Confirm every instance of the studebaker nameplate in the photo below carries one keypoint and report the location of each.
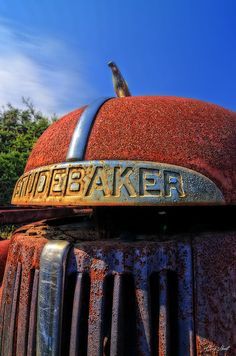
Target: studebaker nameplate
(115, 183)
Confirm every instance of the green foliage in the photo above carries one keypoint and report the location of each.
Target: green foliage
(6, 231)
(19, 130)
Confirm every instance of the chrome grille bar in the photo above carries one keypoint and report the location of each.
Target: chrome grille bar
(50, 297)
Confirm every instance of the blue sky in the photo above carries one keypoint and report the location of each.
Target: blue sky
(56, 51)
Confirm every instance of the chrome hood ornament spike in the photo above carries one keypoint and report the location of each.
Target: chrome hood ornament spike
(119, 83)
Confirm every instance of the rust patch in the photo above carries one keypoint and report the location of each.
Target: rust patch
(109, 260)
(53, 145)
(179, 131)
(4, 245)
(185, 132)
(215, 302)
(23, 261)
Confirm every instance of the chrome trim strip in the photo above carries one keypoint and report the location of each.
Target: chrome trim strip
(50, 297)
(81, 133)
(116, 183)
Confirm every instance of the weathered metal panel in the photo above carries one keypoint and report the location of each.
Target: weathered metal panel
(215, 293)
(127, 298)
(31, 349)
(17, 309)
(4, 245)
(152, 311)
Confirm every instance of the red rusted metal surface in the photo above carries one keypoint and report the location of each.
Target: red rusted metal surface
(19, 295)
(185, 132)
(53, 145)
(4, 245)
(215, 294)
(179, 131)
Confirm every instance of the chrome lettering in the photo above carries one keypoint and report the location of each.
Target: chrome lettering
(76, 183)
(149, 182)
(122, 181)
(98, 182)
(41, 183)
(173, 181)
(58, 181)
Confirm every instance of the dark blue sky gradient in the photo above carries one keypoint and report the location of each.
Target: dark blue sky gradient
(182, 47)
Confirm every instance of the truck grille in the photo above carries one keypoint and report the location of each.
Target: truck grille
(119, 298)
(120, 326)
(125, 298)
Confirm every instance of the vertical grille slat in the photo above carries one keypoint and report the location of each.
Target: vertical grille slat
(79, 324)
(5, 311)
(10, 336)
(154, 296)
(143, 311)
(31, 348)
(185, 325)
(107, 313)
(117, 326)
(96, 312)
(164, 317)
(25, 298)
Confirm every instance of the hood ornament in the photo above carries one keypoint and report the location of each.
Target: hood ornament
(119, 83)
